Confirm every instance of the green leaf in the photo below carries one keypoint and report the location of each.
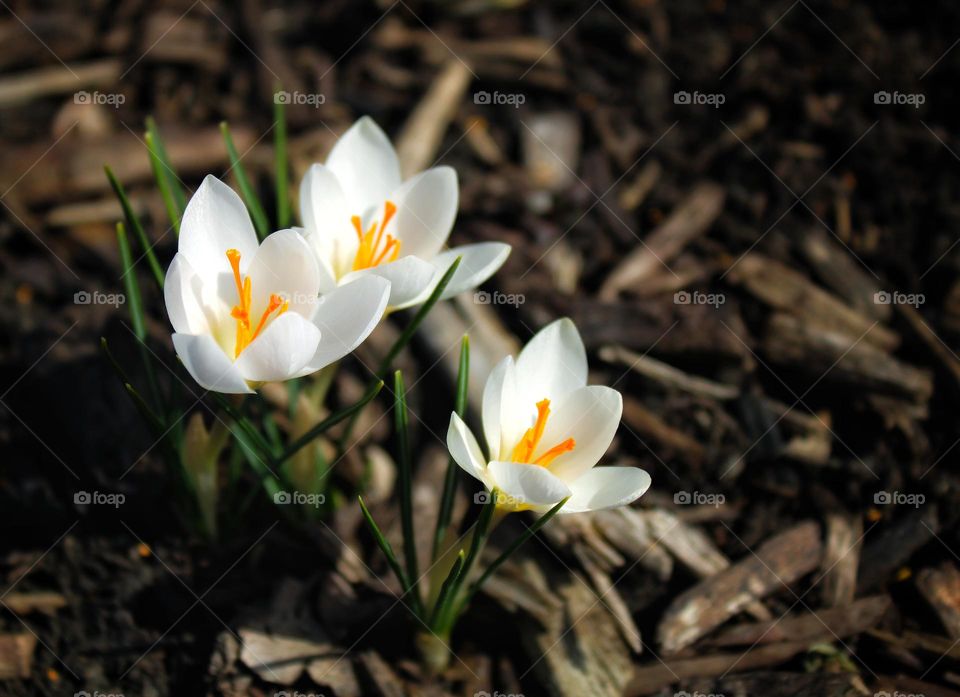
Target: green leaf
(163, 183)
(249, 195)
(450, 584)
(330, 422)
(280, 159)
(385, 547)
(401, 422)
(514, 546)
(175, 185)
(450, 479)
(403, 340)
(134, 223)
(447, 615)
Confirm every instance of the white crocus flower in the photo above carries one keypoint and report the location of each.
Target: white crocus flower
(246, 313)
(546, 429)
(361, 218)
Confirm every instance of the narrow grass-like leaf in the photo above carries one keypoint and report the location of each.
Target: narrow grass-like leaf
(450, 479)
(137, 317)
(385, 547)
(249, 195)
(450, 584)
(402, 425)
(447, 615)
(176, 186)
(330, 422)
(514, 546)
(163, 183)
(258, 443)
(280, 159)
(403, 340)
(134, 222)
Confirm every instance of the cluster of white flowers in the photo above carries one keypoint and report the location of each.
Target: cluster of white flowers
(245, 313)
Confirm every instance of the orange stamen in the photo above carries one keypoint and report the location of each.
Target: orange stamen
(241, 311)
(369, 252)
(524, 450)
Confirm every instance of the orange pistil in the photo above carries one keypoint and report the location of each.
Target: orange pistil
(241, 311)
(524, 450)
(370, 253)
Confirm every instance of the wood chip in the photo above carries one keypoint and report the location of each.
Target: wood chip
(781, 559)
(940, 586)
(692, 217)
(16, 655)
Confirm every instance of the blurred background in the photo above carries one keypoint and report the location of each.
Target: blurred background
(750, 210)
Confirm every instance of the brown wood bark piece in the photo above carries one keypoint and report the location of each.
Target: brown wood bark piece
(812, 627)
(16, 655)
(788, 290)
(940, 586)
(841, 358)
(781, 559)
(652, 677)
(841, 557)
(692, 218)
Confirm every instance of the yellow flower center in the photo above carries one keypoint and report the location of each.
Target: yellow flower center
(241, 311)
(375, 247)
(524, 450)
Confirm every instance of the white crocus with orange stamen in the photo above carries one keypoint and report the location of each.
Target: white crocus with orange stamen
(361, 218)
(245, 313)
(546, 429)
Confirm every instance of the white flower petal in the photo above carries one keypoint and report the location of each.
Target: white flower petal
(366, 165)
(286, 266)
(208, 364)
(216, 220)
(606, 487)
(326, 216)
(410, 280)
(463, 447)
(492, 405)
(346, 316)
(281, 350)
(478, 263)
(552, 364)
(183, 295)
(527, 484)
(589, 415)
(426, 208)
